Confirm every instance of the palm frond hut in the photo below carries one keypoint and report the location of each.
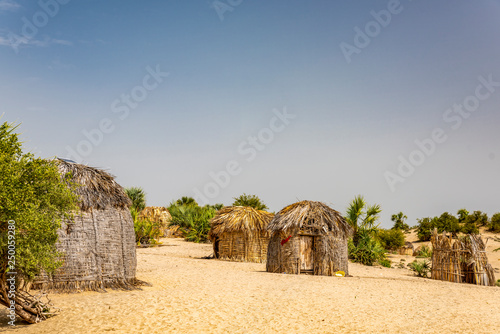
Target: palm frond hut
(462, 261)
(98, 244)
(239, 233)
(308, 237)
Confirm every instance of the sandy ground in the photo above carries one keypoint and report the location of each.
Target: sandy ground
(194, 295)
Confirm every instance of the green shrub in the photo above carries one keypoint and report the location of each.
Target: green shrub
(392, 239)
(147, 232)
(495, 223)
(420, 268)
(368, 250)
(497, 283)
(192, 219)
(385, 263)
(424, 251)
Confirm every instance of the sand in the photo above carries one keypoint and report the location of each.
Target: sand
(194, 295)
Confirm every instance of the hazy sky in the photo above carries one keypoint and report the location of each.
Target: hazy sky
(290, 100)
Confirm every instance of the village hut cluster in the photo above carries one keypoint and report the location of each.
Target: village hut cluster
(305, 237)
(98, 244)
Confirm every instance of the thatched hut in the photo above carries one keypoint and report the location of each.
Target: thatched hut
(98, 244)
(407, 249)
(462, 260)
(239, 233)
(308, 237)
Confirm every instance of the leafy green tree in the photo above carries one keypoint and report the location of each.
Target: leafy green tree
(34, 199)
(392, 239)
(399, 222)
(425, 227)
(249, 200)
(470, 223)
(495, 223)
(138, 198)
(449, 223)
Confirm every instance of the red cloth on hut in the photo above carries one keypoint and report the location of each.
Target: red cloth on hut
(286, 240)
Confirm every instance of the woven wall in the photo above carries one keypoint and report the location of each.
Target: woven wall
(98, 252)
(329, 255)
(236, 246)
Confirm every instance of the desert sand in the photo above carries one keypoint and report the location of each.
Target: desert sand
(189, 294)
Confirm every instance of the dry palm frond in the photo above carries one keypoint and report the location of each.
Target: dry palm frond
(239, 218)
(315, 214)
(96, 188)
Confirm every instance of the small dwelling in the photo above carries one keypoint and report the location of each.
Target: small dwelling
(308, 238)
(460, 260)
(239, 233)
(98, 244)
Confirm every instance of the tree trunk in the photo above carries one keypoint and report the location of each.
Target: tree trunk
(29, 308)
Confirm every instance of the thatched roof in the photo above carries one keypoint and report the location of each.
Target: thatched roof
(239, 218)
(96, 188)
(316, 215)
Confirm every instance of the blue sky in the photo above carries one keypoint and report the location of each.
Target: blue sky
(68, 67)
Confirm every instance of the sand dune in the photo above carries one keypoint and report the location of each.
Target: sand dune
(193, 295)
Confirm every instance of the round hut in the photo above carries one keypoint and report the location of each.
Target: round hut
(98, 244)
(308, 237)
(238, 233)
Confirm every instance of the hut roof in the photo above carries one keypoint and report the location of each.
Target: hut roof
(316, 214)
(96, 188)
(239, 218)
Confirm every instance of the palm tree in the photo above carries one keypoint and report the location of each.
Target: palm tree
(184, 200)
(249, 200)
(362, 217)
(138, 198)
(399, 221)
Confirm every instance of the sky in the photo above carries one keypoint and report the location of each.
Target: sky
(291, 100)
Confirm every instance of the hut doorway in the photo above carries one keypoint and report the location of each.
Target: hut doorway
(306, 253)
(216, 248)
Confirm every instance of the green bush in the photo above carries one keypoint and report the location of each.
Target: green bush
(192, 219)
(424, 251)
(147, 232)
(368, 250)
(420, 268)
(385, 263)
(495, 223)
(392, 239)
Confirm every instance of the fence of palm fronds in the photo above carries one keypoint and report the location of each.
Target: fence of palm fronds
(462, 261)
(239, 233)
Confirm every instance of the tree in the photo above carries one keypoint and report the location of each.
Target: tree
(34, 199)
(392, 239)
(495, 223)
(364, 246)
(249, 200)
(362, 216)
(138, 198)
(399, 222)
(186, 201)
(470, 222)
(425, 227)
